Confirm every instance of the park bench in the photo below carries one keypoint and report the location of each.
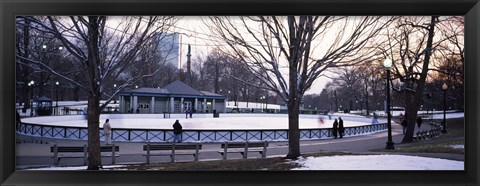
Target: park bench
(60, 152)
(173, 149)
(427, 134)
(243, 148)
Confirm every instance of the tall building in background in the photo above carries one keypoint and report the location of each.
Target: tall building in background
(169, 48)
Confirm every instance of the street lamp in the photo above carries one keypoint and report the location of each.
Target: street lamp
(387, 64)
(57, 83)
(228, 98)
(444, 87)
(114, 100)
(30, 86)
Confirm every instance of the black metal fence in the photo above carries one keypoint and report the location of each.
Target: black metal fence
(165, 135)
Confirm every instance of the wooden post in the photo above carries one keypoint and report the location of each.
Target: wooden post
(55, 154)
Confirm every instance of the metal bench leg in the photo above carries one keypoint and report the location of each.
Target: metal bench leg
(196, 152)
(113, 154)
(225, 151)
(148, 153)
(85, 154)
(55, 155)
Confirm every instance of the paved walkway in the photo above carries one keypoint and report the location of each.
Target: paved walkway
(35, 152)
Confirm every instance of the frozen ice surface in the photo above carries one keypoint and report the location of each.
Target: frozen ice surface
(200, 121)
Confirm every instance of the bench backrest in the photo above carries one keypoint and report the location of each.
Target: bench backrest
(242, 144)
(80, 148)
(67, 149)
(170, 147)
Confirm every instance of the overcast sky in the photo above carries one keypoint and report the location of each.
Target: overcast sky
(193, 31)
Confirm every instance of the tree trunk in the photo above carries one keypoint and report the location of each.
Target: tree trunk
(94, 158)
(413, 102)
(293, 130)
(26, 71)
(93, 111)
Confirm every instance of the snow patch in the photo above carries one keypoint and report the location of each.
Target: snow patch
(377, 162)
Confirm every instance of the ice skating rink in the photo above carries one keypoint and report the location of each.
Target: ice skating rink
(201, 121)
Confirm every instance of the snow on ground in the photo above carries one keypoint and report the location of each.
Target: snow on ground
(378, 162)
(458, 146)
(449, 115)
(359, 162)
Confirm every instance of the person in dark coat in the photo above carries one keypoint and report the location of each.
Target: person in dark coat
(404, 125)
(419, 122)
(341, 129)
(335, 128)
(190, 112)
(177, 131)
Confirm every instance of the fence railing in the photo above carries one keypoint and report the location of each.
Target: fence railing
(188, 135)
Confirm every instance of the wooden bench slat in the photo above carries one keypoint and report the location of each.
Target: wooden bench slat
(243, 148)
(60, 152)
(175, 149)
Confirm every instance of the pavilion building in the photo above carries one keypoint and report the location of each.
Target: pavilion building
(175, 97)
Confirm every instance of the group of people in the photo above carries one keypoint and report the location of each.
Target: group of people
(338, 128)
(405, 123)
(188, 112)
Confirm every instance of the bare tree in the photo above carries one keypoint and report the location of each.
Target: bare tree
(411, 46)
(105, 52)
(289, 53)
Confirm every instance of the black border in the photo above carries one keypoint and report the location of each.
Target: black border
(10, 8)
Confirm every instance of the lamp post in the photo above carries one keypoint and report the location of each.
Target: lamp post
(56, 104)
(387, 64)
(444, 87)
(114, 87)
(228, 98)
(30, 85)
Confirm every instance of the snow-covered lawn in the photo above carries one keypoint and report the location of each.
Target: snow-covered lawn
(458, 146)
(354, 162)
(377, 162)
